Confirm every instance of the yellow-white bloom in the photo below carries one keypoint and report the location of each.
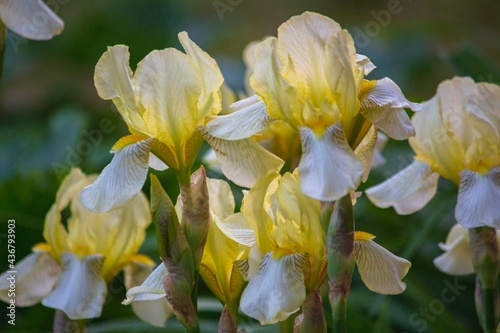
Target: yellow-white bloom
(458, 137)
(165, 104)
(71, 270)
(457, 258)
(31, 19)
(287, 256)
(311, 78)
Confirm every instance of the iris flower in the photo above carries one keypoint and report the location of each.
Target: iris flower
(31, 19)
(287, 256)
(71, 270)
(458, 136)
(165, 105)
(311, 78)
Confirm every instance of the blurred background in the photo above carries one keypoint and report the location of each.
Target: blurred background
(48, 103)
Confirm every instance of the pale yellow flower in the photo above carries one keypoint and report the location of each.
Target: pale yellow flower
(458, 137)
(287, 256)
(311, 78)
(70, 272)
(165, 105)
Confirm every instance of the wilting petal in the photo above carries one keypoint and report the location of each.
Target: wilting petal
(113, 81)
(478, 202)
(328, 169)
(34, 279)
(154, 312)
(151, 289)
(457, 258)
(380, 270)
(243, 161)
(121, 180)
(383, 105)
(276, 290)
(31, 19)
(80, 291)
(250, 117)
(407, 191)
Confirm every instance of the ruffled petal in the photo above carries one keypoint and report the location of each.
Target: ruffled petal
(121, 180)
(408, 191)
(221, 198)
(31, 19)
(276, 290)
(478, 199)
(34, 278)
(151, 289)
(328, 169)
(210, 76)
(243, 161)
(365, 63)
(249, 117)
(457, 259)
(113, 81)
(80, 291)
(383, 105)
(237, 228)
(380, 270)
(154, 312)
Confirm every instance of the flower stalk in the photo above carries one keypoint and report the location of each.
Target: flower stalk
(340, 255)
(312, 310)
(485, 259)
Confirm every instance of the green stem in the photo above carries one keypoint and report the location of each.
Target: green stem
(286, 326)
(62, 324)
(340, 255)
(485, 258)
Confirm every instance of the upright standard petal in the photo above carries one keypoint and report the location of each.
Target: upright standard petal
(210, 76)
(113, 81)
(366, 151)
(80, 291)
(121, 180)
(478, 199)
(276, 290)
(382, 103)
(154, 312)
(408, 191)
(249, 117)
(34, 279)
(168, 87)
(328, 169)
(380, 270)
(243, 161)
(457, 258)
(31, 19)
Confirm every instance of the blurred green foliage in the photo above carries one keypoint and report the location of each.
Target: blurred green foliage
(48, 102)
